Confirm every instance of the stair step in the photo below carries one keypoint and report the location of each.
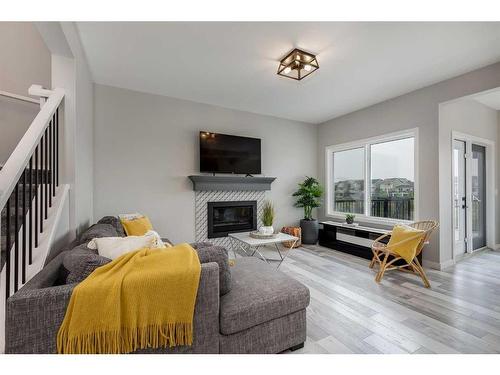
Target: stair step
(21, 213)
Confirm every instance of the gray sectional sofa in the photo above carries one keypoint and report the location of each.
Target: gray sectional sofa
(247, 308)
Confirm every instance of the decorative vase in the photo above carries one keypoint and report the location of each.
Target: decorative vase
(309, 229)
(266, 230)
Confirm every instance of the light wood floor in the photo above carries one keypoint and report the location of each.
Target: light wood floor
(350, 313)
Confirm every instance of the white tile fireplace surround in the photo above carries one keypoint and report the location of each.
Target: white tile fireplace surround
(201, 206)
(225, 189)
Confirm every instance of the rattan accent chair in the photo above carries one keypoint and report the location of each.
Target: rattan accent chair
(386, 258)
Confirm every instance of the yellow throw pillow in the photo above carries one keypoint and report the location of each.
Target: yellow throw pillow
(137, 227)
(411, 238)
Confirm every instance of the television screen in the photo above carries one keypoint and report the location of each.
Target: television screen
(222, 153)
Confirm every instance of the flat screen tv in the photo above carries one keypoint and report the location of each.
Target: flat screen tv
(222, 153)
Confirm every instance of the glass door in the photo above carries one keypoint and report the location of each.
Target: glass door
(459, 199)
(478, 196)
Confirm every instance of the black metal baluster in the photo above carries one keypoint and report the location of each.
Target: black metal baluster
(16, 239)
(41, 184)
(53, 175)
(30, 205)
(23, 254)
(7, 251)
(57, 146)
(49, 162)
(36, 196)
(46, 175)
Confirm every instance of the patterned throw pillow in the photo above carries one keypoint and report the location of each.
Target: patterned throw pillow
(81, 262)
(115, 222)
(97, 231)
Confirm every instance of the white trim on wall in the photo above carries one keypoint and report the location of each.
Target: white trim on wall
(366, 143)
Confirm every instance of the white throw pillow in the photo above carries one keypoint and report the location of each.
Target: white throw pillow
(114, 247)
(158, 242)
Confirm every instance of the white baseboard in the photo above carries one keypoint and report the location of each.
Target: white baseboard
(430, 264)
(437, 265)
(447, 264)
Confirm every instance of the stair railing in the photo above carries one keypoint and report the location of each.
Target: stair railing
(28, 182)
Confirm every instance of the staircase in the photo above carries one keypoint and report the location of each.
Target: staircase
(25, 201)
(34, 205)
(29, 188)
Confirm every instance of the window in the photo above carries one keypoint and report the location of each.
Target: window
(349, 180)
(392, 179)
(373, 178)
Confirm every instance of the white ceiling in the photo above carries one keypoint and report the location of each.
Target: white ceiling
(234, 65)
(490, 98)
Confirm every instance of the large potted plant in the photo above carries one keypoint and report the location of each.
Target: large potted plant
(308, 197)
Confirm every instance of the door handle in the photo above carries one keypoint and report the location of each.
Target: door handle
(464, 205)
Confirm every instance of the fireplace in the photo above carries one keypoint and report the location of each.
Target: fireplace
(231, 217)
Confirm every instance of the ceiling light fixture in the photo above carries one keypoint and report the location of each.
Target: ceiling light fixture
(298, 64)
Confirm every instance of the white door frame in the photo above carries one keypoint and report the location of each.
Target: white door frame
(490, 187)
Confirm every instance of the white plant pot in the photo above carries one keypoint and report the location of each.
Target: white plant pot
(266, 230)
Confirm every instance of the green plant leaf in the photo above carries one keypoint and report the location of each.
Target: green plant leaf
(267, 214)
(308, 196)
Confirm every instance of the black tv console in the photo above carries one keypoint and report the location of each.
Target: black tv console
(333, 235)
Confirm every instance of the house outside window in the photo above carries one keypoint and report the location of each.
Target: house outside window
(374, 178)
(349, 185)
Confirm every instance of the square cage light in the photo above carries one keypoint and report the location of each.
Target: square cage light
(298, 64)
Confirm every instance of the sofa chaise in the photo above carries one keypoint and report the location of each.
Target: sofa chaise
(263, 312)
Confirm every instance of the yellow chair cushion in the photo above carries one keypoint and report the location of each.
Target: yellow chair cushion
(404, 241)
(137, 227)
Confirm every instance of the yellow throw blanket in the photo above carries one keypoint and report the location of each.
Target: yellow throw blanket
(405, 241)
(143, 299)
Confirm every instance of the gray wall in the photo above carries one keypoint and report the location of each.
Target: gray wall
(70, 71)
(15, 118)
(469, 117)
(24, 60)
(416, 109)
(146, 146)
(84, 131)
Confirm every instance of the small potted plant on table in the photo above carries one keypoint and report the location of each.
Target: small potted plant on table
(308, 197)
(267, 218)
(349, 218)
